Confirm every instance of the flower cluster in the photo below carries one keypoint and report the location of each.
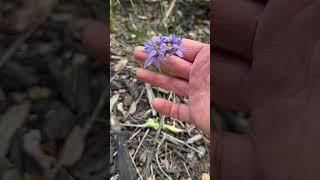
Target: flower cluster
(160, 47)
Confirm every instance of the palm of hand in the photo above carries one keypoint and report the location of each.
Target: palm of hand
(199, 90)
(190, 77)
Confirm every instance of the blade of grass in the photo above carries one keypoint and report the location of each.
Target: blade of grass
(165, 30)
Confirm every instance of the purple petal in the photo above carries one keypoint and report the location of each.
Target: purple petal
(160, 57)
(157, 64)
(148, 61)
(153, 53)
(179, 53)
(171, 37)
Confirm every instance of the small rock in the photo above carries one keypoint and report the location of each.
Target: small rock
(201, 149)
(36, 93)
(205, 176)
(133, 36)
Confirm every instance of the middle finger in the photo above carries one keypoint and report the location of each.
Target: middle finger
(175, 65)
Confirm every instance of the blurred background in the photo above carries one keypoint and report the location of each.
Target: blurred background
(52, 94)
(172, 154)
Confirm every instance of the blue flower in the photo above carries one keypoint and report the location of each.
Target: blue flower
(155, 50)
(158, 47)
(173, 43)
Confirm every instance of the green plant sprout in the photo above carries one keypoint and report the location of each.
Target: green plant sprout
(152, 123)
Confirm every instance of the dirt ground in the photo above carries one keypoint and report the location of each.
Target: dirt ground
(183, 155)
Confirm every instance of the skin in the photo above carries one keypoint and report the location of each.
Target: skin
(267, 63)
(190, 78)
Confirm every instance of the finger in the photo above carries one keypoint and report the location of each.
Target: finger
(95, 40)
(175, 65)
(168, 108)
(166, 82)
(230, 81)
(192, 48)
(235, 25)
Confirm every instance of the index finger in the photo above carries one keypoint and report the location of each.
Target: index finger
(192, 48)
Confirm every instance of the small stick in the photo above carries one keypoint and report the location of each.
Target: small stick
(175, 140)
(135, 166)
(163, 117)
(150, 97)
(131, 125)
(170, 9)
(185, 166)
(157, 159)
(14, 47)
(144, 136)
(134, 135)
(114, 76)
(97, 110)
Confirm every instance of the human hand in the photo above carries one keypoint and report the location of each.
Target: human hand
(266, 63)
(190, 77)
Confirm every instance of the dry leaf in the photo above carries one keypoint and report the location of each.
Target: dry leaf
(73, 147)
(133, 108)
(165, 163)
(113, 100)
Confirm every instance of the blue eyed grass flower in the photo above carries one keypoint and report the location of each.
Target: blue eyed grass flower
(159, 47)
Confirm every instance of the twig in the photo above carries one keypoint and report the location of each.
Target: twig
(150, 97)
(135, 166)
(159, 130)
(185, 166)
(157, 159)
(14, 47)
(135, 134)
(175, 140)
(114, 76)
(144, 136)
(97, 110)
(163, 117)
(170, 10)
(131, 125)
